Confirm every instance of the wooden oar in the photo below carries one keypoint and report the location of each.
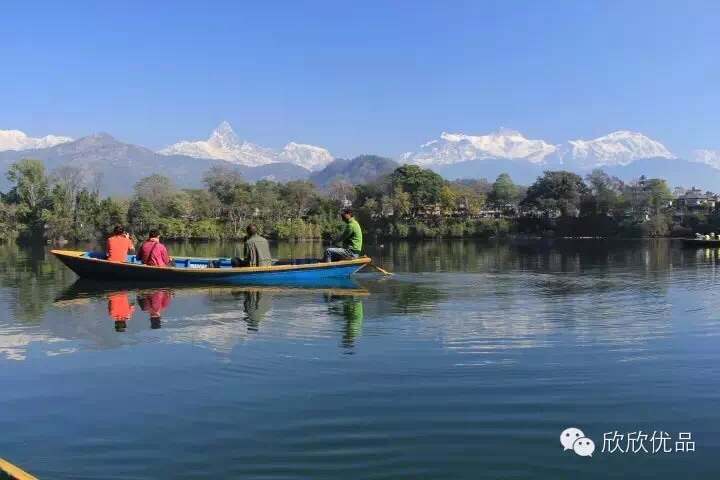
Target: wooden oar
(381, 270)
(14, 472)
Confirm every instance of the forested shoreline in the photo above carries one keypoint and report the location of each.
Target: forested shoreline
(410, 202)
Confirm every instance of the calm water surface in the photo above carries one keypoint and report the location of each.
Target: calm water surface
(466, 364)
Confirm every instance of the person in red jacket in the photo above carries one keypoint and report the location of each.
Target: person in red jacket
(119, 245)
(154, 253)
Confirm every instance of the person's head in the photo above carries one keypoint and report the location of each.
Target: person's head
(119, 230)
(120, 325)
(251, 230)
(154, 233)
(347, 214)
(155, 320)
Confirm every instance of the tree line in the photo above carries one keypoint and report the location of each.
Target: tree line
(409, 202)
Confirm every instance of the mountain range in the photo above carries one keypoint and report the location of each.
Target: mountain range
(625, 154)
(120, 164)
(224, 144)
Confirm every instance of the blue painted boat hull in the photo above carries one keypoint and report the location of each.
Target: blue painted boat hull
(304, 272)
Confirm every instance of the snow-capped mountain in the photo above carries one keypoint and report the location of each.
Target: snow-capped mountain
(224, 144)
(307, 156)
(17, 140)
(617, 148)
(457, 147)
(708, 157)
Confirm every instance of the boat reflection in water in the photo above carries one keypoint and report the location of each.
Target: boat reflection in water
(252, 303)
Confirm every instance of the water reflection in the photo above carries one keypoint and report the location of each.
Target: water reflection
(350, 309)
(154, 303)
(120, 309)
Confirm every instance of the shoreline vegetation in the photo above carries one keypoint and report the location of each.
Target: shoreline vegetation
(408, 203)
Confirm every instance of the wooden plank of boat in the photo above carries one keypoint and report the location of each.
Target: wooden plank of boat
(14, 472)
(91, 265)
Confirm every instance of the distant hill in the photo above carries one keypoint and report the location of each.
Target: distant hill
(123, 164)
(678, 173)
(362, 169)
(522, 172)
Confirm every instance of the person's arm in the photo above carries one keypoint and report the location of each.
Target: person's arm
(165, 255)
(131, 247)
(343, 236)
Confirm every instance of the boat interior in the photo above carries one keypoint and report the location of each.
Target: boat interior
(185, 262)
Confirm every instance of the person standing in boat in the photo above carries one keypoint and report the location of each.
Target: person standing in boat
(256, 251)
(119, 245)
(349, 244)
(154, 253)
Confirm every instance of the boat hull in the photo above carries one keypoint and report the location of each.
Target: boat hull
(696, 242)
(302, 274)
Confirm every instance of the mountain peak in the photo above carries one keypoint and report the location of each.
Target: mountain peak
(617, 148)
(224, 129)
(224, 144)
(508, 132)
(459, 147)
(17, 140)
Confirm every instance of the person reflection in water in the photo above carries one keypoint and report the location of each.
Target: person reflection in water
(351, 309)
(120, 310)
(154, 303)
(256, 304)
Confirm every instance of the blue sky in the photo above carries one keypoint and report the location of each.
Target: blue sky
(362, 77)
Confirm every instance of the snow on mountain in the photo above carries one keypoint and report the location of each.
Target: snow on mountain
(708, 157)
(17, 140)
(307, 156)
(458, 147)
(224, 144)
(618, 148)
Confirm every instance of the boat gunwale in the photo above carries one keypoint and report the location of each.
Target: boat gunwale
(78, 255)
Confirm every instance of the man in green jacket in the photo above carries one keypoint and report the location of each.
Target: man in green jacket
(349, 244)
(256, 251)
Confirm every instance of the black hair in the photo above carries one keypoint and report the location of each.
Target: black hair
(154, 233)
(348, 211)
(251, 230)
(119, 229)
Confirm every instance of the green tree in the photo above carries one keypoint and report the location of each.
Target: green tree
(503, 192)
(605, 193)
(558, 191)
(142, 215)
(31, 193)
(299, 194)
(423, 186)
(659, 196)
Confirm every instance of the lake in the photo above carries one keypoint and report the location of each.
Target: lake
(468, 363)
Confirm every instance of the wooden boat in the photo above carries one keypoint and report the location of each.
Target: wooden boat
(10, 471)
(700, 242)
(307, 271)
